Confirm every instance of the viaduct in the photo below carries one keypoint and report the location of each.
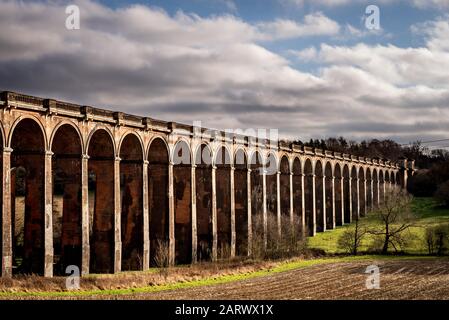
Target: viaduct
(105, 190)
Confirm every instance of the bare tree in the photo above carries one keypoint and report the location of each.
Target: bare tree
(395, 217)
(351, 238)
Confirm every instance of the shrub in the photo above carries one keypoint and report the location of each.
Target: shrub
(442, 193)
(161, 258)
(352, 237)
(437, 239)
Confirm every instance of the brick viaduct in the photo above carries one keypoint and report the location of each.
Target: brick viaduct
(104, 190)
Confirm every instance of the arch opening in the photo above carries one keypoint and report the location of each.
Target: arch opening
(66, 166)
(27, 198)
(223, 185)
(101, 204)
(308, 198)
(339, 197)
(329, 197)
(271, 196)
(319, 203)
(375, 189)
(381, 187)
(297, 197)
(257, 222)
(346, 195)
(182, 185)
(241, 203)
(369, 190)
(203, 187)
(354, 194)
(158, 161)
(131, 196)
(362, 193)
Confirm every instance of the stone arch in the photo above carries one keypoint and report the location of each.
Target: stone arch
(319, 200)
(158, 161)
(104, 128)
(34, 119)
(256, 166)
(329, 196)
(67, 148)
(182, 187)
(203, 188)
(28, 141)
(362, 192)
(297, 195)
(65, 123)
(101, 207)
(346, 194)
(308, 197)
(137, 138)
(223, 198)
(241, 201)
(131, 153)
(339, 196)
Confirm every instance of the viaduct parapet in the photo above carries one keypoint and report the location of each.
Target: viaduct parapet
(108, 191)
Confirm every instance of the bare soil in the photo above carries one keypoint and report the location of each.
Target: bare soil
(398, 280)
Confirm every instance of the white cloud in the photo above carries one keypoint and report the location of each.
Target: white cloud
(315, 24)
(185, 67)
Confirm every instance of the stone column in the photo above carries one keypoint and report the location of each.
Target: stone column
(214, 214)
(324, 202)
(233, 236)
(333, 203)
(264, 205)
(303, 207)
(146, 218)
(292, 210)
(278, 202)
(6, 215)
(250, 228)
(85, 234)
(372, 192)
(117, 218)
(48, 230)
(171, 215)
(194, 229)
(313, 206)
(385, 190)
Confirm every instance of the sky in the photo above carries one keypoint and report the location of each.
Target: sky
(311, 69)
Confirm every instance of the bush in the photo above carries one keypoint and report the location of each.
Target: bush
(442, 193)
(421, 185)
(161, 258)
(437, 239)
(291, 242)
(351, 238)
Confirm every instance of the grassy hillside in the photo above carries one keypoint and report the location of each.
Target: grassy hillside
(427, 210)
